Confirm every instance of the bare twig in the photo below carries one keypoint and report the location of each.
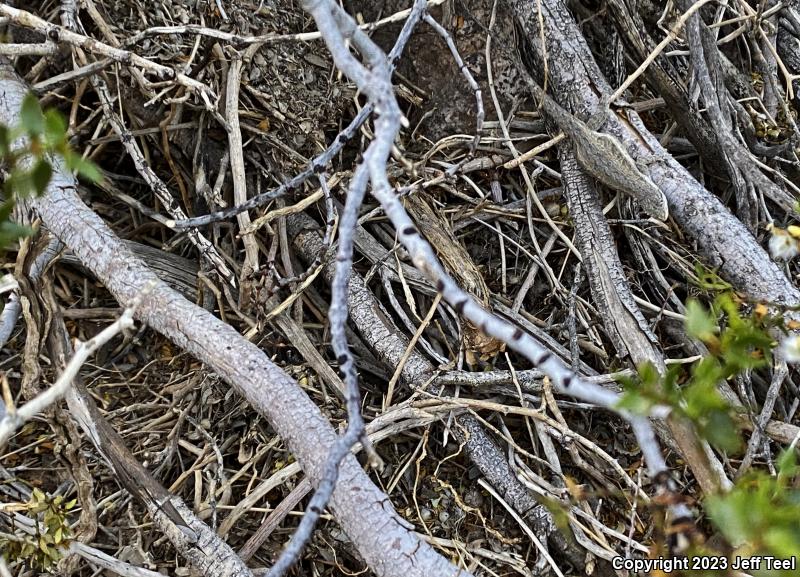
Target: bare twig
(16, 418)
(330, 225)
(332, 22)
(238, 40)
(16, 50)
(317, 164)
(204, 246)
(250, 265)
(335, 25)
(531, 535)
(480, 114)
(673, 34)
(358, 504)
(58, 33)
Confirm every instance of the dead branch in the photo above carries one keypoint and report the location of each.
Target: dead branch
(356, 502)
(722, 239)
(192, 538)
(14, 418)
(57, 33)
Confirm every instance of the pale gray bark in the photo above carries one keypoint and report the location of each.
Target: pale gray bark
(192, 538)
(390, 345)
(384, 539)
(625, 325)
(722, 240)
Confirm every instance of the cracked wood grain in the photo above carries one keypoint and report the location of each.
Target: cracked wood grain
(723, 241)
(359, 506)
(624, 323)
(390, 345)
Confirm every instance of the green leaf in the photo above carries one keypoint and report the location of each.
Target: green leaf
(31, 115)
(11, 232)
(88, 170)
(635, 402)
(783, 541)
(40, 175)
(20, 183)
(83, 166)
(706, 373)
(7, 208)
(55, 129)
(648, 374)
(710, 280)
(729, 514)
(53, 553)
(720, 430)
(787, 463)
(759, 513)
(559, 512)
(700, 324)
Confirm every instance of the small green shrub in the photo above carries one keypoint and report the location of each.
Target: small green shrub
(743, 343)
(28, 169)
(759, 516)
(44, 549)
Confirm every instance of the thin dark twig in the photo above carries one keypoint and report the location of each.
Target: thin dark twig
(317, 164)
(159, 188)
(564, 380)
(330, 222)
(476, 89)
(335, 25)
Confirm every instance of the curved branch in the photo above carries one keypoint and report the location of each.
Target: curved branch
(360, 507)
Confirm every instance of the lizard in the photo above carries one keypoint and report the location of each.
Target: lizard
(599, 154)
(604, 158)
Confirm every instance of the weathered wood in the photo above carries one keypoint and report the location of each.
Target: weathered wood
(458, 263)
(178, 272)
(192, 538)
(359, 506)
(722, 240)
(390, 345)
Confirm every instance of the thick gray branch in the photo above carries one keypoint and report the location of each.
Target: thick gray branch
(386, 542)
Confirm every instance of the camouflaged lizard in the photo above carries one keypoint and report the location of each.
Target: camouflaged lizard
(604, 158)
